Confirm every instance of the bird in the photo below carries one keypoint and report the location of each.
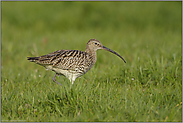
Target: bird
(72, 63)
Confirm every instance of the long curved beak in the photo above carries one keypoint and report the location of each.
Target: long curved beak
(105, 48)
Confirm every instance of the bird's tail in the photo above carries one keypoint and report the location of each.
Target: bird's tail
(33, 59)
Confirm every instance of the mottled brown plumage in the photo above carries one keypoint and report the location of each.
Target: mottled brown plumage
(71, 63)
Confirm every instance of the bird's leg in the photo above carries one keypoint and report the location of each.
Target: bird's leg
(54, 79)
(73, 82)
(72, 79)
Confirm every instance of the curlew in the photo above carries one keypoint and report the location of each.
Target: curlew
(72, 63)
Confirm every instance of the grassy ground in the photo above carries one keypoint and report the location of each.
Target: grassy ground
(147, 88)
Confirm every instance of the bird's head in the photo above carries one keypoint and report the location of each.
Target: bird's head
(94, 44)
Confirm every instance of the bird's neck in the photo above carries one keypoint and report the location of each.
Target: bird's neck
(92, 53)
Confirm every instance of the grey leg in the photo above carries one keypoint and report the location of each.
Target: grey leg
(54, 79)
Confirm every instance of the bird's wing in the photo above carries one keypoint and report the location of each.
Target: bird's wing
(71, 60)
(46, 59)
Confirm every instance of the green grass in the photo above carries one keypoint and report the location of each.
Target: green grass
(147, 35)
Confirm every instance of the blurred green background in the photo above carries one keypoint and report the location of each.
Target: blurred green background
(148, 35)
(95, 16)
(69, 25)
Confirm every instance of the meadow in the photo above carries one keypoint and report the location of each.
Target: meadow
(148, 35)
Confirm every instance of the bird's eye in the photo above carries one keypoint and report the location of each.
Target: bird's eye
(96, 43)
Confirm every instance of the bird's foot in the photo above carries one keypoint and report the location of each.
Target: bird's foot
(54, 79)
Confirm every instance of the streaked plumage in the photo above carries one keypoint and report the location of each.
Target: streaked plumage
(71, 63)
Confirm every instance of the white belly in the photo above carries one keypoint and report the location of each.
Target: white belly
(71, 75)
